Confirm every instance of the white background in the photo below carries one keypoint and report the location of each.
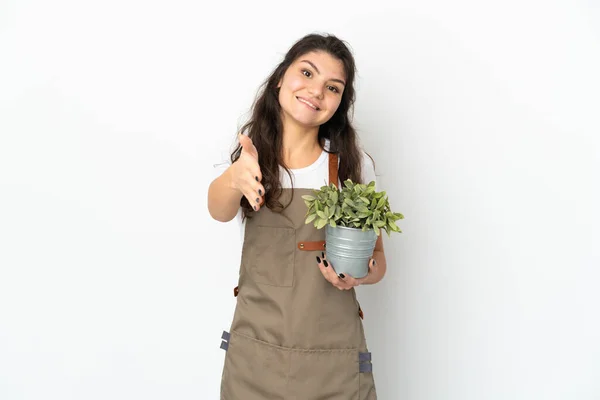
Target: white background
(483, 120)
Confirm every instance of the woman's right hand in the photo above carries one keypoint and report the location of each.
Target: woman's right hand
(246, 175)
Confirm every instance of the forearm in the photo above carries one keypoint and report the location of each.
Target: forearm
(223, 199)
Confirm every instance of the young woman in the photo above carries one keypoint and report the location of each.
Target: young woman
(297, 331)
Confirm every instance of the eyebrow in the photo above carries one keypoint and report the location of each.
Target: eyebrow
(317, 69)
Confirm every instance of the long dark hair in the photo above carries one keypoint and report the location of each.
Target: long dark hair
(265, 127)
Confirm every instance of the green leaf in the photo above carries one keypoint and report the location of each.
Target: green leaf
(309, 197)
(332, 223)
(310, 218)
(362, 208)
(349, 202)
(321, 223)
(321, 214)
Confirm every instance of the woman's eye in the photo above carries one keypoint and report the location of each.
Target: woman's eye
(333, 89)
(306, 73)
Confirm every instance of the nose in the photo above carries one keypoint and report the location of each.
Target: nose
(316, 90)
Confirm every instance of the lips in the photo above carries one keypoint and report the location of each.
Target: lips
(308, 103)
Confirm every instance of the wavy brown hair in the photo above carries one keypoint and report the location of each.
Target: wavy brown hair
(265, 127)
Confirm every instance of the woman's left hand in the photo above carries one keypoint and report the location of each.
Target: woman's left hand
(342, 281)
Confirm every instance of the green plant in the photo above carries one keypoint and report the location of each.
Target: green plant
(356, 205)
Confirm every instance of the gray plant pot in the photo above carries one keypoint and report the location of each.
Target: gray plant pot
(350, 249)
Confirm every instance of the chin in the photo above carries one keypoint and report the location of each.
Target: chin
(308, 123)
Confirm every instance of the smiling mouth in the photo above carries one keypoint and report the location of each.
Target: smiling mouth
(309, 104)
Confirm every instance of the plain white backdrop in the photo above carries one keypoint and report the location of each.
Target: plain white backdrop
(483, 120)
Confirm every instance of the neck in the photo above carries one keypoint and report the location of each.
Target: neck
(300, 145)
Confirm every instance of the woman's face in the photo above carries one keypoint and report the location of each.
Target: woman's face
(311, 89)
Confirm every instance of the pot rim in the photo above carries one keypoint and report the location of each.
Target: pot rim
(350, 228)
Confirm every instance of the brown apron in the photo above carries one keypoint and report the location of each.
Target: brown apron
(294, 336)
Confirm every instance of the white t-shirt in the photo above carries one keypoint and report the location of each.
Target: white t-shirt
(311, 177)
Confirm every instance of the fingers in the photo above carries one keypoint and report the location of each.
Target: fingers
(330, 275)
(253, 191)
(248, 147)
(249, 157)
(247, 176)
(342, 281)
(350, 281)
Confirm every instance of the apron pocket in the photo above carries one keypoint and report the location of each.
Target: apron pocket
(324, 375)
(271, 252)
(254, 370)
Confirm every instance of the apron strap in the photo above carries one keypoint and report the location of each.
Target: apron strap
(333, 169)
(312, 246)
(333, 178)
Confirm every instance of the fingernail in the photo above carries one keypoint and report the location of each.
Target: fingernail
(256, 177)
(259, 192)
(325, 263)
(318, 260)
(254, 208)
(342, 276)
(257, 200)
(322, 254)
(374, 262)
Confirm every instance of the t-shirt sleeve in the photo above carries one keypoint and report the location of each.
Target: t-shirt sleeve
(368, 170)
(219, 168)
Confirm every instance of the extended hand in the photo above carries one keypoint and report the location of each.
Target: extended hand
(246, 175)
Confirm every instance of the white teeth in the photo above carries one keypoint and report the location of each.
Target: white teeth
(308, 104)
